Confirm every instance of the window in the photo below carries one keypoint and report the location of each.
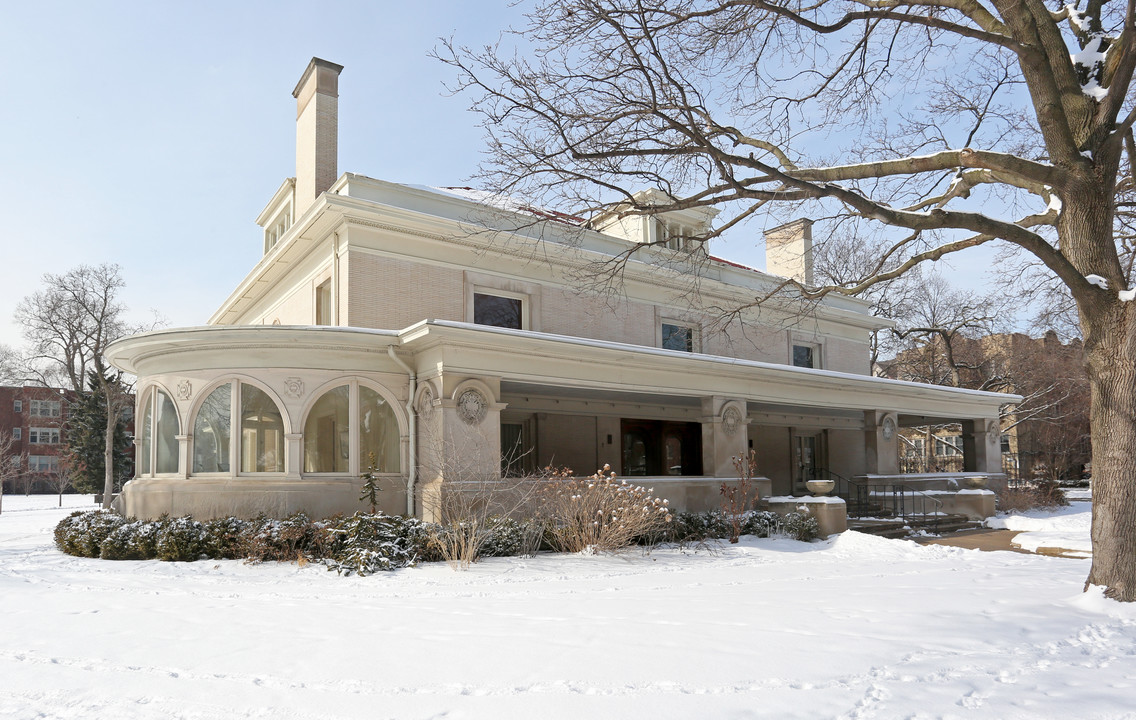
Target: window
(323, 303)
(498, 311)
(332, 426)
(43, 463)
(677, 337)
(43, 436)
(45, 408)
(158, 448)
(1006, 443)
(918, 447)
(277, 229)
(18, 406)
(17, 433)
(804, 356)
(211, 431)
(674, 236)
(261, 433)
(948, 445)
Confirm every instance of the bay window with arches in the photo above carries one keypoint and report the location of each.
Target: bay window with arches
(347, 426)
(158, 442)
(258, 444)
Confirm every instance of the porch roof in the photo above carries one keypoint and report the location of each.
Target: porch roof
(567, 364)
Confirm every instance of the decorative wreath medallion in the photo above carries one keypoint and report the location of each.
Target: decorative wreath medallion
(294, 387)
(731, 420)
(184, 389)
(472, 407)
(889, 428)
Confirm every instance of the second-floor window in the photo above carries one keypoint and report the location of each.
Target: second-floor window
(948, 445)
(18, 406)
(43, 436)
(498, 311)
(677, 337)
(17, 433)
(46, 408)
(804, 356)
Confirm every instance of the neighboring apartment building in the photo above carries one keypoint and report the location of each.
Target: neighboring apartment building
(430, 331)
(1045, 436)
(35, 418)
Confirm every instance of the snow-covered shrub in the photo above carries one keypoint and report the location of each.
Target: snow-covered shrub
(714, 525)
(82, 533)
(294, 537)
(182, 540)
(366, 543)
(508, 537)
(227, 538)
(134, 540)
(603, 513)
(1030, 496)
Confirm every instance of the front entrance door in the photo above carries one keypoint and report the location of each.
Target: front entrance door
(806, 456)
(657, 447)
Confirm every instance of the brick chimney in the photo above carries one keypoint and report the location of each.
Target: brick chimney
(789, 251)
(317, 131)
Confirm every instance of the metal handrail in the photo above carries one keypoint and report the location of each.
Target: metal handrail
(866, 493)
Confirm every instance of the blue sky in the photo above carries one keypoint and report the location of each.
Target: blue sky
(152, 134)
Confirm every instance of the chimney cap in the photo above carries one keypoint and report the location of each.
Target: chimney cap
(315, 62)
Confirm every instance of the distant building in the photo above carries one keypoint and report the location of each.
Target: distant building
(36, 418)
(1045, 436)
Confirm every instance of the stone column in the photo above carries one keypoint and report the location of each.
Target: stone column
(881, 442)
(183, 455)
(724, 435)
(981, 447)
(292, 447)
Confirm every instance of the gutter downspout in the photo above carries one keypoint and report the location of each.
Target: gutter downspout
(412, 422)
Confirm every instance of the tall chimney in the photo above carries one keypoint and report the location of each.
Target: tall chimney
(317, 131)
(789, 251)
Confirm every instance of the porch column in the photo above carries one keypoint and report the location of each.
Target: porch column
(881, 442)
(293, 445)
(724, 435)
(459, 439)
(981, 446)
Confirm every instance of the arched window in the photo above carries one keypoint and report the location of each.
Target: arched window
(158, 449)
(327, 432)
(260, 446)
(348, 419)
(212, 429)
(165, 434)
(378, 432)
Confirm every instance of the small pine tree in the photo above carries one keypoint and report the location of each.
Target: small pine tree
(85, 438)
(371, 487)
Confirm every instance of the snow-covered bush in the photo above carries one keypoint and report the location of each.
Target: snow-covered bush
(714, 525)
(227, 538)
(508, 537)
(603, 513)
(366, 543)
(182, 540)
(82, 533)
(133, 540)
(294, 537)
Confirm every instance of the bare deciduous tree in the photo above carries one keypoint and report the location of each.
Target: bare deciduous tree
(68, 326)
(10, 463)
(944, 124)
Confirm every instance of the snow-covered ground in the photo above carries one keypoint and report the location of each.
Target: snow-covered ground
(853, 627)
(1065, 528)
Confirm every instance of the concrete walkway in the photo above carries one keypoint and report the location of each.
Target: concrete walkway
(981, 539)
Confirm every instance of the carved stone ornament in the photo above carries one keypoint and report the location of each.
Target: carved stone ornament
(731, 420)
(426, 403)
(184, 390)
(889, 428)
(472, 407)
(294, 387)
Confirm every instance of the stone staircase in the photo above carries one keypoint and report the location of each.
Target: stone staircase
(899, 527)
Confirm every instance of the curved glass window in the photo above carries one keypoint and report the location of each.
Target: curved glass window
(327, 432)
(212, 430)
(144, 445)
(165, 434)
(262, 432)
(378, 433)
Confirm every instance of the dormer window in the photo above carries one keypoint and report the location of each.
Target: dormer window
(277, 228)
(674, 236)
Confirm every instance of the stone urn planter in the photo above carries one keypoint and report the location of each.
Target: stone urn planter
(820, 487)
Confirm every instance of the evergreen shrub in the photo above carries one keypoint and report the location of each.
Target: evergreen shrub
(82, 533)
(182, 540)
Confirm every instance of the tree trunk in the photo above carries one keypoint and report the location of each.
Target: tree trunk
(108, 447)
(1112, 376)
